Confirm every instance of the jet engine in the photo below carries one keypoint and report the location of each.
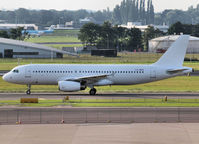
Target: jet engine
(70, 86)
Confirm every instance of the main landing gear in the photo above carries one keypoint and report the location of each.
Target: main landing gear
(92, 91)
(28, 92)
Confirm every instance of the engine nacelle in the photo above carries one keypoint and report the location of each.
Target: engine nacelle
(70, 86)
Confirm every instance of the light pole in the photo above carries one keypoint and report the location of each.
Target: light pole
(107, 41)
(60, 20)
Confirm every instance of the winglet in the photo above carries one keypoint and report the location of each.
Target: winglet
(174, 56)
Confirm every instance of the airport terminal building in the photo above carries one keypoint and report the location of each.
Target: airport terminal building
(19, 49)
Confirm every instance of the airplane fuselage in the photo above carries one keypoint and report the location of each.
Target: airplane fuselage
(51, 74)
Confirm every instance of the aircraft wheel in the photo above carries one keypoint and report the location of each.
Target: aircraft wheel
(28, 92)
(93, 91)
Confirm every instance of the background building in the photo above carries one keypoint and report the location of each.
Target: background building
(14, 26)
(20, 49)
(161, 44)
(138, 25)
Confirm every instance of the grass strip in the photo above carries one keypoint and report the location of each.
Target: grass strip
(107, 103)
(135, 105)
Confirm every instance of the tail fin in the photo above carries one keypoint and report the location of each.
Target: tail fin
(174, 56)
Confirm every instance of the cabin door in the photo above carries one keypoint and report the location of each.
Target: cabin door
(152, 73)
(27, 72)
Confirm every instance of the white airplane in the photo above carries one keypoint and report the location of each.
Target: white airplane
(76, 77)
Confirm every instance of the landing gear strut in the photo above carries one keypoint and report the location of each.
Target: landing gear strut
(28, 92)
(92, 91)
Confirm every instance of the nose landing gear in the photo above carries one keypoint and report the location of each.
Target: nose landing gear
(28, 92)
(92, 91)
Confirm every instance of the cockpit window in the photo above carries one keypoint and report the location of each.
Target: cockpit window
(15, 71)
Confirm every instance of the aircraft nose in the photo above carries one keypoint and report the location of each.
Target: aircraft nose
(5, 77)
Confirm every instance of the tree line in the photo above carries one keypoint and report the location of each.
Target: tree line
(179, 28)
(44, 18)
(134, 11)
(169, 17)
(15, 33)
(107, 36)
(126, 11)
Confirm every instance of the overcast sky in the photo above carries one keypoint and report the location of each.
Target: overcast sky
(159, 5)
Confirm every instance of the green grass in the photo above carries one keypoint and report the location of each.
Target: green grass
(60, 46)
(107, 103)
(133, 100)
(136, 105)
(42, 103)
(72, 33)
(43, 39)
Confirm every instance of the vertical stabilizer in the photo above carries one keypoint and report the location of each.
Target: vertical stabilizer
(174, 56)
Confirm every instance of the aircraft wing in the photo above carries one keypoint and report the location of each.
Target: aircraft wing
(89, 79)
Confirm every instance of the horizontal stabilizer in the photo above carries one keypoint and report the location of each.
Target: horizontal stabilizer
(179, 70)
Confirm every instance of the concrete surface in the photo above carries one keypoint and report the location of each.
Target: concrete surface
(149, 133)
(98, 115)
